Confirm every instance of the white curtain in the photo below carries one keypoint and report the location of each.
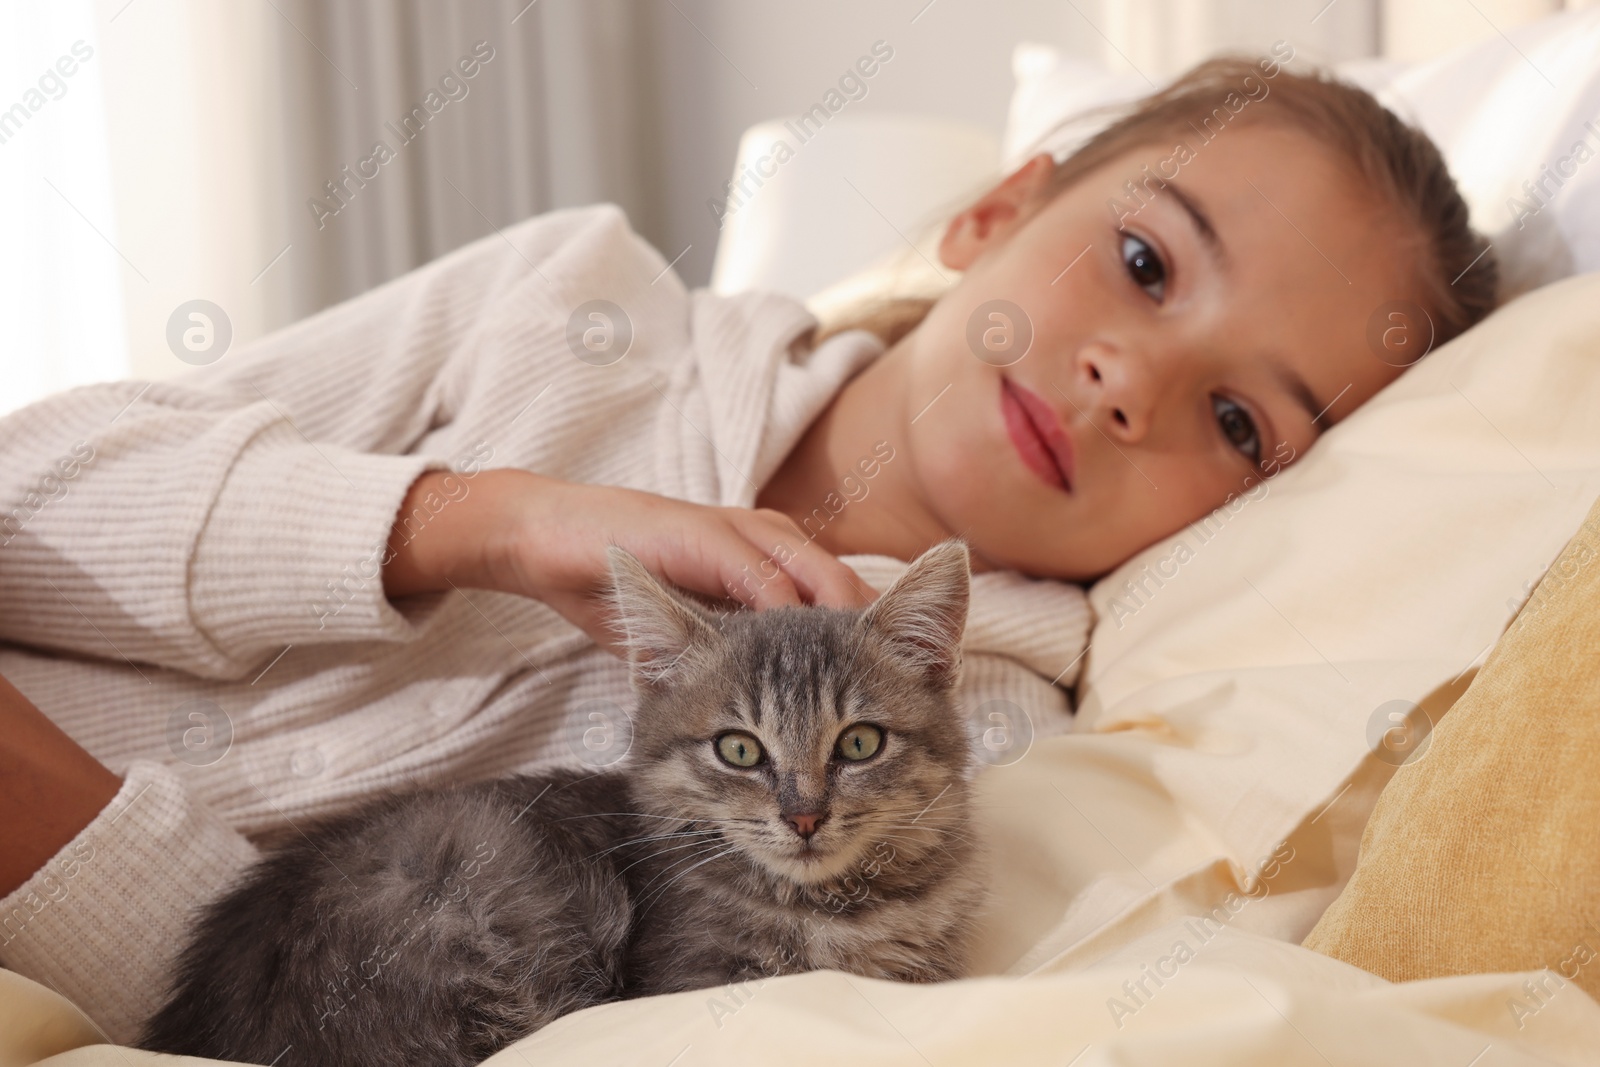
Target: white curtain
(1422, 29)
(227, 118)
(550, 118)
(60, 272)
(1163, 38)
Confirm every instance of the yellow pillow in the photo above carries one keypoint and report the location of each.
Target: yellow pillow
(1483, 852)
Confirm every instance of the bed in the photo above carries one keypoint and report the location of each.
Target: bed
(1241, 711)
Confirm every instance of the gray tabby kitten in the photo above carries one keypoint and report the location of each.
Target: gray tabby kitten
(795, 798)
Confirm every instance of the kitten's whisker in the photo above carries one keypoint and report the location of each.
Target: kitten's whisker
(685, 859)
(932, 802)
(686, 832)
(658, 893)
(675, 848)
(927, 830)
(932, 840)
(897, 809)
(670, 865)
(633, 814)
(653, 837)
(922, 846)
(936, 843)
(648, 899)
(930, 828)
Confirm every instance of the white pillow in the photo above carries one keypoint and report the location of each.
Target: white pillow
(1500, 111)
(1050, 105)
(852, 194)
(1503, 112)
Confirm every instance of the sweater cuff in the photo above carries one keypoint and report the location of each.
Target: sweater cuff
(103, 920)
(293, 549)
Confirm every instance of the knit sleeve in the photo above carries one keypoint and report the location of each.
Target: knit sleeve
(206, 522)
(103, 920)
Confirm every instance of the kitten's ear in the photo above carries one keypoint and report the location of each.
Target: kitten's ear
(658, 627)
(924, 613)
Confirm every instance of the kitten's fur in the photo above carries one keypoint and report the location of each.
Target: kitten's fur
(437, 927)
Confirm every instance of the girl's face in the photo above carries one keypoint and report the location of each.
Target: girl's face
(1175, 360)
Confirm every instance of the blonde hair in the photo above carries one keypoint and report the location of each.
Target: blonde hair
(1456, 270)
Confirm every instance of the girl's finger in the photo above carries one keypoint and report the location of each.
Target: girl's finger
(823, 580)
(815, 572)
(720, 562)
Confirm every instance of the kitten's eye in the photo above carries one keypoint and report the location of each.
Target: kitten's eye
(860, 741)
(739, 750)
(1144, 266)
(1238, 427)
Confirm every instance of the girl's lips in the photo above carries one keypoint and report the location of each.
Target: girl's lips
(1037, 435)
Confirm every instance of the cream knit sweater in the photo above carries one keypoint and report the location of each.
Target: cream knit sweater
(190, 586)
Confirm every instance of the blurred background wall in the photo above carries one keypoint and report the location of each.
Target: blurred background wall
(228, 150)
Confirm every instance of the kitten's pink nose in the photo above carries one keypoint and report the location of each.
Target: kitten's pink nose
(805, 823)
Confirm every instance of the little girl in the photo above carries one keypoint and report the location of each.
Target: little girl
(364, 552)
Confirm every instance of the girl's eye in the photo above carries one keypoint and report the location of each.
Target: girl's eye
(1238, 427)
(739, 750)
(1144, 266)
(860, 742)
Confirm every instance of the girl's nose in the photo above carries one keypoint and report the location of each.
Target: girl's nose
(1119, 391)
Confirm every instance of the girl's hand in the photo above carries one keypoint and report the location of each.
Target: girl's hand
(524, 533)
(50, 789)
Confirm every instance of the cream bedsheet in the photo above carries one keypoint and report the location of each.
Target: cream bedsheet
(1154, 987)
